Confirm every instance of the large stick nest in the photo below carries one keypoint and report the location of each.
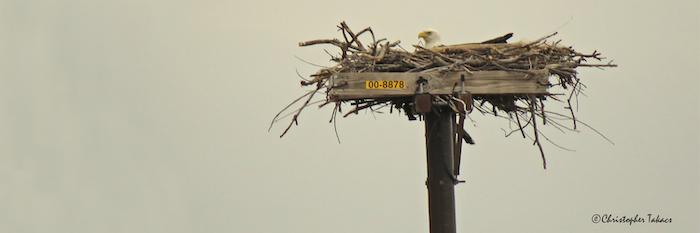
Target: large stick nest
(363, 52)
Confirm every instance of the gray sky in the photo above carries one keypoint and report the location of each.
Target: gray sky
(151, 116)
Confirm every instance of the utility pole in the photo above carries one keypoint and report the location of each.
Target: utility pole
(443, 134)
(439, 143)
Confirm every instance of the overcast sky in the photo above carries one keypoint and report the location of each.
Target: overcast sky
(151, 116)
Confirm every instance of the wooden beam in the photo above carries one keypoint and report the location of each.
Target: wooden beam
(348, 86)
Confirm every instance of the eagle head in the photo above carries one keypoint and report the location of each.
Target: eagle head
(430, 36)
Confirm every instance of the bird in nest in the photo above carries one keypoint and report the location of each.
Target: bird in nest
(432, 38)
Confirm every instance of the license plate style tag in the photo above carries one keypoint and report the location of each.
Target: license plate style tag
(385, 84)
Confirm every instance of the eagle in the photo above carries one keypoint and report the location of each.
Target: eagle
(432, 38)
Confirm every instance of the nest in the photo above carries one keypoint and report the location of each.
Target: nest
(363, 52)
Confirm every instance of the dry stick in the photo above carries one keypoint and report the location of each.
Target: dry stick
(531, 43)
(333, 58)
(347, 42)
(380, 107)
(333, 119)
(434, 53)
(556, 126)
(395, 43)
(287, 107)
(335, 42)
(300, 76)
(382, 52)
(296, 116)
(357, 109)
(594, 55)
(354, 37)
(372, 112)
(520, 126)
(534, 126)
(559, 126)
(510, 121)
(587, 126)
(573, 116)
(578, 93)
(297, 109)
(551, 117)
(551, 142)
(310, 63)
(507, 134)
(597, 65)
(368, 29)
(344, 33)
(555, 144)
(313, 81)
(449, 103)
(544, 119)
(335, 109)
(501, 66)
(325, 103)
(521, 129)
(343, 46)
(335, 126)
(374, 41)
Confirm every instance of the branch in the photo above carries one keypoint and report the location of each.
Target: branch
(354, 37)
(534, 126)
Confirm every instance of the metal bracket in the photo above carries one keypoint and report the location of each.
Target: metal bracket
(423, 102)
(465, 96)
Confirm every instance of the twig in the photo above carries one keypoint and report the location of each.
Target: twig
(568, 100)
(308, 62)
(589, 127)
(296, 116)
(358, 108)
(336, 109)
(287, 107)
(354, 37)
(534, 126)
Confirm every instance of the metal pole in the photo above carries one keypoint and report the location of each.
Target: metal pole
(439, 141)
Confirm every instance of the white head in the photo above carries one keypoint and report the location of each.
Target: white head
(430, 36)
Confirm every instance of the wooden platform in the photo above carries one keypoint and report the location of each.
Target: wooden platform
(349, 86)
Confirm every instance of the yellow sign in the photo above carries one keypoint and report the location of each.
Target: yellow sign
(385, 84)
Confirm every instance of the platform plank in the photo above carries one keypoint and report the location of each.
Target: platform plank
(348, 86)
